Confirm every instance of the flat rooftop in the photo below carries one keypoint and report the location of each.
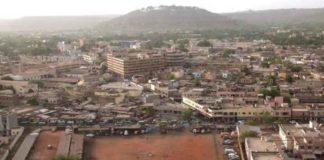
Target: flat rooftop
(258, 145)
(266, 156)
(121, 85)
(26, 146)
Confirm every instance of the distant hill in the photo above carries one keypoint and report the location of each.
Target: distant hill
(50, 23)
(165, 18)
(280, 17)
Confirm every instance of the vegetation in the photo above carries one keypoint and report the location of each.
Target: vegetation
(33, 101)
(290, 79)
(248, 134)
(171, 76)
(187, 114)
(263, 118)
(40, 84)
(272, 80)
(149, 111)
(8, 78)
(204, 43)
(272, 91)
(197, 82)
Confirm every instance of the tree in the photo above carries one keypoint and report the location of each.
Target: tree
(30, 91)
(296, 68)
(8, 78)
(266, 118)
(149, 111)
(229, 51)
(204, 43)
(197, 82)
(265, 64)
(248, 134)
(252, 122)
(281, 121)
(171, 76)
(183, 48)
(272, 80)
(33, 101)
(187, 114)
(272, 91)
(289, 79)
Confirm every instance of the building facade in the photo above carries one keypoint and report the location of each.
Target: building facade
(130, 65)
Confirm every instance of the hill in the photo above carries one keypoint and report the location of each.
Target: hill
(166, 18)
(52, 23)
(280, 17)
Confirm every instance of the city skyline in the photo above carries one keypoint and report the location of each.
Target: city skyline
(11, 9)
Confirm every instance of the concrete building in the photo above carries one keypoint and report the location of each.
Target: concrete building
(129, 65)
(90, 57)
(174, 59)
(303, 140)
(261, 149)
(8, 121)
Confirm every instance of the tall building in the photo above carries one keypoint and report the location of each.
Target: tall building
(8, 121)
(174, 59)
(129, 65)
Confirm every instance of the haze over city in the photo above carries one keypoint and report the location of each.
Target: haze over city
(21, 8)
(162, 80)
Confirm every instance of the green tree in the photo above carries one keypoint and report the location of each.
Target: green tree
(32, 101)
(272, 91)
(172, 76)
(30, 91)
(197, 82)
(8, 78)
(204, 43)
(266, 118)
(272, 80)
(187, 114)
(265, 64)
(289, 79)
(248, 134)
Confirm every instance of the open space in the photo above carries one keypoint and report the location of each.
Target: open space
(40, 151)
(155, 147)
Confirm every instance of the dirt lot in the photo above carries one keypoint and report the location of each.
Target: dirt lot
(184, 146)
(40, 151)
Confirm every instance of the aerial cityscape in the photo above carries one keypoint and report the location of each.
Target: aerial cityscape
(162, 82)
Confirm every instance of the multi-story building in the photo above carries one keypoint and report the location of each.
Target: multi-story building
(8, 121)
(261, 148)
(90, 57)
(174, 59)
(303, 140)
(217, 109)
(129, 65)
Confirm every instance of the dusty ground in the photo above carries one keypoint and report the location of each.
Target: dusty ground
(40, 151)
(184, 146)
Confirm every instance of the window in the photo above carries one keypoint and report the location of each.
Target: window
(309, 147)
(301, 147)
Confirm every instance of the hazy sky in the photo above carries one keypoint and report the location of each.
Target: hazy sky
(20, 8)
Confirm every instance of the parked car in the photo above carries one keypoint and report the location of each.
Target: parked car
(233, 156)
(228, 142)
(229, 150)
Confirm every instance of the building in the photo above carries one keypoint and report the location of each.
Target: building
(174, 59)
(261, 148)
(303, 140)
(8, 121)
(90, 57)
(129, 65)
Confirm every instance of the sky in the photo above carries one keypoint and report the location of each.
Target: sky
(19, 8)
